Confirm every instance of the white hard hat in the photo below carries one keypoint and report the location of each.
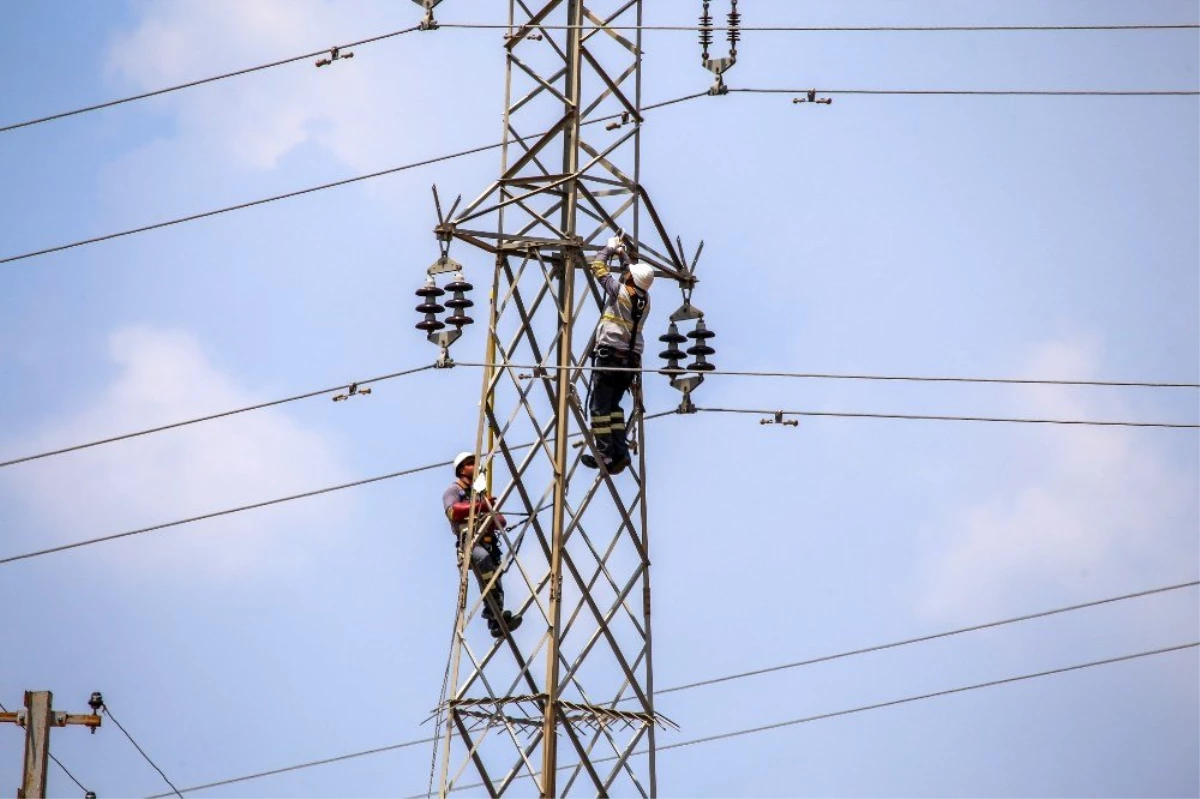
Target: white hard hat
(642, 274)
(461, 458)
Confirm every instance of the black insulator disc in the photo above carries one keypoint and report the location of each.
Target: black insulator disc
(696, 366)
(459, 302)
(672, 368)
(459, 285)
(458, 320)
(429, 307)
(700, 349)
(672, 338)
(671, 354)
(701, 333)
(430, 291)
(430, 325)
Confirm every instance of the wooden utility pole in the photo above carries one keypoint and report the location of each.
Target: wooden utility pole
(37, 718)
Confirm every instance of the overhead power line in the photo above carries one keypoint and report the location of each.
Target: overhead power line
(843, 376)
(727, 678)
(202, 81)
(844, 28)
(311, 189)
(210, 417)
(253, 506)
(864, 708)
(940, 418)
(718, 372)
(682, 28)
(990, 92)
(141, 751)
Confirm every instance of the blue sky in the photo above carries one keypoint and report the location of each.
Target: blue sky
(1017, 237)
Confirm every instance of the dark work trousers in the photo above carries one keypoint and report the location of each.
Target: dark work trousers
(485, 562)
(608, 418)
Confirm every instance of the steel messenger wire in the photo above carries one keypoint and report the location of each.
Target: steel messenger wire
(485, 148)
(988, 92)
(312, 189)
(256, 505)
(727, 678)
(810, 376)
(946, 418)
(212, 416)
(202, 81)
(682, 28)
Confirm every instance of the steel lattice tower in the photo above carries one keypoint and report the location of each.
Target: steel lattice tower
(578, 675)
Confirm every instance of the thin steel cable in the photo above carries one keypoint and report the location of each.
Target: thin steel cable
(210, 417)
(843, 376)
(940, 418)
(297, 767)
(935, 694)
(264, 504)
(141, 751)
(58, 762)
(718, 372)
(215, 514)
(311, 189)
(201, 82)
(989, 92)
(864, 708)
(842, 28)
(865, 650)
(924, 638)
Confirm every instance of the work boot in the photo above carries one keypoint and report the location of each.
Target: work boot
(590, 462)
(509, 624)
(619, 463)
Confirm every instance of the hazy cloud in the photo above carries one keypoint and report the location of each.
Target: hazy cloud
(164, 376)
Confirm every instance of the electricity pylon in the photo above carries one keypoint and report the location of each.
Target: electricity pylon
(568, 700)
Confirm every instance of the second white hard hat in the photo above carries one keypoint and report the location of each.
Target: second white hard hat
(642, 274)
(462, 458)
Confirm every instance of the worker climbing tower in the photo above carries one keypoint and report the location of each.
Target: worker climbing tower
(567, 700)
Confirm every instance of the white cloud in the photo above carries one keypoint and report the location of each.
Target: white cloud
(163, 377)
(358, 109)
(1092, 507)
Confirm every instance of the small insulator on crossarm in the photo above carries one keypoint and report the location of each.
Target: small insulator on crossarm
(700, 349)
(430, 307)
(459, 303)
(672, 354)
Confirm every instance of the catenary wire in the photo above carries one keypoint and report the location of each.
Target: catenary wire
(944, 418)
(141, 751)
(58, 762)
(256, 505)
(684, 28)
(312, 189)
(843, 376)
(689, 686)
(719, 372)
(989, 92)
(840, 28)
(864, 708)
(210, 417)
(201, 82)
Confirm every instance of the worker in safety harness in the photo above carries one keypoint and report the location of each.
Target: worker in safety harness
(619, 344)
(483, 542)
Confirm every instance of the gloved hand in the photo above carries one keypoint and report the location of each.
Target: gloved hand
(613, 247)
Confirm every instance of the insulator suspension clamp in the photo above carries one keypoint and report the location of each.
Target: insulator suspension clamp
(719, 66)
